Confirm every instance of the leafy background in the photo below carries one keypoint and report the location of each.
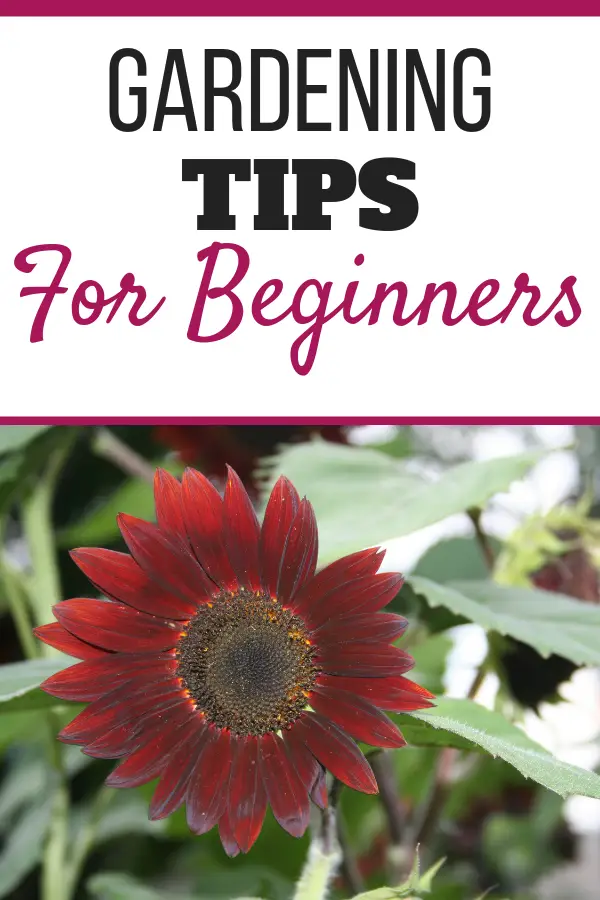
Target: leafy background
(501, 545)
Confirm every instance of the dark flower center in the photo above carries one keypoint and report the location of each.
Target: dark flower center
(247, 663)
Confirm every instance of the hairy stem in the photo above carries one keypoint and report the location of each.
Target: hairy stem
(324, 854)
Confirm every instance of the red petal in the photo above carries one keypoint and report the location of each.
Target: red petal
(363, 595)
(149, 761)
(285, 792)
(90, 680)
(228, 840)
(318, 793)
(115, 626)
(300, 555)
(165, 560)
(279, 514)
(206, 798)
(172, 787)
(397, 694)
(358, 717)
(131, 728)
(309, 769)
(203, 513)
(336, 751)
(336, 575)
(119, 577)
(382, 627)
(241, 532)
(169, 506)
(56, 636)
(128, 701)
(247, 798)
(362, 659)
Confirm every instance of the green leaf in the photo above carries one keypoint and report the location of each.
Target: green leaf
(492, 732)
(425, 882)
(13, 437)
(415, 885)
(20, 679)
(422, 734)
(23, 847)
(454, 559)
(26, 456)
(363, 497)
(385, 893)
(99, 526)
(552, 623)
(119, 886)
(430, 656)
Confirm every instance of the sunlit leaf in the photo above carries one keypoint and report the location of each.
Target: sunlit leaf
(19, 682)
(552, 623)
(495, 734)
(363, 497)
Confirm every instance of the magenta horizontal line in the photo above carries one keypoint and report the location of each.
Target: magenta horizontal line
(301, 8)
(299, 420)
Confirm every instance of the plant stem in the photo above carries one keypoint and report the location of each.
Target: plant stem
(108, 445)
(482, 539)
(54, 886)
(85, 839)
(324, 854)
(385, 773)
(45, 593)
(19, 611)
(348, 868)
(324, 857)
(37, 525)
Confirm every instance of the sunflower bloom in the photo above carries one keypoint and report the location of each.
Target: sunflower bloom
(221, 664)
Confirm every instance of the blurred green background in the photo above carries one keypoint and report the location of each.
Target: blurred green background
(497, 830)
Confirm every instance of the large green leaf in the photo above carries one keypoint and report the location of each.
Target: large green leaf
(453, 559)
(119, 886)
(363, 497)
(13, 437)
(552, 623)
(18, 681)
(23, 847)
(495, 734)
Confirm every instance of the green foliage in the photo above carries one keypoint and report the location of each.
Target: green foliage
(23, 847)
(550, 622)
(492, 732)
(19, 682)
(15, 437)
(454, 559)
(416, 885)
(363, 497)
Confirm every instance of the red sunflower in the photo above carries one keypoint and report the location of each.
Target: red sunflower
(224, 666)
